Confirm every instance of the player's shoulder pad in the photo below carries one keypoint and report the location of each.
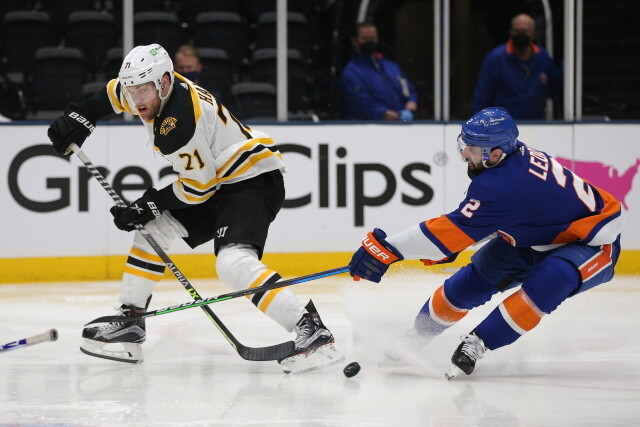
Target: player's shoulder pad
(175, 127)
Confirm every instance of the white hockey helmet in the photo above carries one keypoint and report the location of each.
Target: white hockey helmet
(146, 64)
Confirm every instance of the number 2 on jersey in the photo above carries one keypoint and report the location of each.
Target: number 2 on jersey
(470, 208)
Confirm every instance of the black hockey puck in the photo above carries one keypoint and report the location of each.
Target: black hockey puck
(351, 370)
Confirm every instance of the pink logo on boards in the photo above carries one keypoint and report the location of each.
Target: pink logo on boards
(604, 176)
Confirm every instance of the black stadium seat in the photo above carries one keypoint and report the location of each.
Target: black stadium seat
(254, 101)
(163, 28)
(94, 33)
(59, 11)
(255, 8)
(191, 8)
(112, 63)
(23, 33)
(222, 30)
(58, 76)
(217, 74)
(298, 32)
(263, 68)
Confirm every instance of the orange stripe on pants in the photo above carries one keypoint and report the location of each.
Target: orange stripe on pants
(520, 312)
(443, 310)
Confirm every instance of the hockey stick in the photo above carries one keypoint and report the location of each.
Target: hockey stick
(50, 335)
(224, 297)
(274, 352)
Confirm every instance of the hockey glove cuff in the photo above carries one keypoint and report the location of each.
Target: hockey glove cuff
(74, 126)
(372, 260)
(143, 210)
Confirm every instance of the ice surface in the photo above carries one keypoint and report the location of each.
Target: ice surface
(580, 366)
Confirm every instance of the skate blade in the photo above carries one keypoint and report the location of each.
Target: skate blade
(130, 353)
(452, 372)
(322, 357)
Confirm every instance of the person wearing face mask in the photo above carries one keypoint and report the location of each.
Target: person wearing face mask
(518, 75)
(373, 87)
(187, 63)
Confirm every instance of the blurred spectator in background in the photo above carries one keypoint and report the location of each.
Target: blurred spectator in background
(187, 62)
(375, 88)
(518, 75)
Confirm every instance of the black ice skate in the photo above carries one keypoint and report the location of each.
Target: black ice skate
(314, 345)
(464, 358)
(119, 341)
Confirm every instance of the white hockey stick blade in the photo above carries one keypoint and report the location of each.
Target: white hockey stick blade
(50, 335)
(126, 352)
(452, 372)
(322, 357)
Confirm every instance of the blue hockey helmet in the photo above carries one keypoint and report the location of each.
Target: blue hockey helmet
(490, 128)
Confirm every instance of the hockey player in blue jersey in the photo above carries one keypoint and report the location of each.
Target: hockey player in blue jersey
(554, 236)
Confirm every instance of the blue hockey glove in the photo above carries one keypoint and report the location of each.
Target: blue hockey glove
(406, 115)
(373, 258)
(142, 210)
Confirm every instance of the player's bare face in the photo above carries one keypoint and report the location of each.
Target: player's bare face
(145, 99)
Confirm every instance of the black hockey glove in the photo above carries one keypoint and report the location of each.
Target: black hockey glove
(74, 126)
(142, 210)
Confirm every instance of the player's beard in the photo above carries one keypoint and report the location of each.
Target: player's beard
(473, 169)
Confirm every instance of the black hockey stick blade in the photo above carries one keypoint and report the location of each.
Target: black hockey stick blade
(258, 354)
(223, 297)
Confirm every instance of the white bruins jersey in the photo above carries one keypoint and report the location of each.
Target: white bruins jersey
(206, 144)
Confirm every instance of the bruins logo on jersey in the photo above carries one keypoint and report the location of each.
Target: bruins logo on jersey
(168, 125)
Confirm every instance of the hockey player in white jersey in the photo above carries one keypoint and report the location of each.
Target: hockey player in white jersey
(229, 188)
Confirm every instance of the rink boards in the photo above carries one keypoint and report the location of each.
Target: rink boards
(342, 180)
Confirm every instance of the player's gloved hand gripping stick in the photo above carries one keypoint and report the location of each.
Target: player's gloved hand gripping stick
(275, 352)
(373, 258)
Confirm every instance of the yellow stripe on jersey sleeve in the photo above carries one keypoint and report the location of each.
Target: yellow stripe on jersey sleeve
(197, 184)
(197, 111)
(193, 198)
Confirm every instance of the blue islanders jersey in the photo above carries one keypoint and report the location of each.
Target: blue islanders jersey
(530, 200)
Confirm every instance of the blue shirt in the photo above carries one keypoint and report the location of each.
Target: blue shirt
(519, 86)
(370, 87)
